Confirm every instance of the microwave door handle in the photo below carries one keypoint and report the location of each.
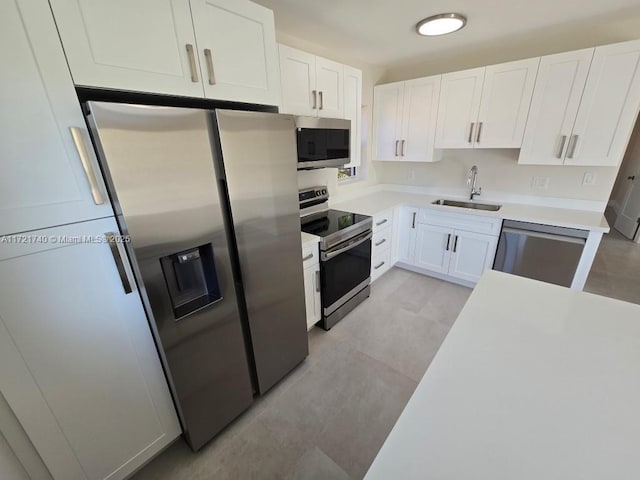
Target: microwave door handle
(331, 254)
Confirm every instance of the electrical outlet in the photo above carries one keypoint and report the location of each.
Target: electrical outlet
(540, 183)
(589, 179)
(412, 175)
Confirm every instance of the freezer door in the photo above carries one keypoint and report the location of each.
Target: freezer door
(158, 163)
(257, 154)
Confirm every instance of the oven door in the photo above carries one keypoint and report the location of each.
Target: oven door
(344, 271)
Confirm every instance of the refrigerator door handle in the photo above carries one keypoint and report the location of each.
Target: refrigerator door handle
(87, 165)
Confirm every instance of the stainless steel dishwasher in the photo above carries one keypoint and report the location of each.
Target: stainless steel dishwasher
(542, 252)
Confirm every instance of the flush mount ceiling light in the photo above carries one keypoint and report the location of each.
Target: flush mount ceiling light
(441, 24)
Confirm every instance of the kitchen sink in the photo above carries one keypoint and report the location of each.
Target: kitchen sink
(476, 206)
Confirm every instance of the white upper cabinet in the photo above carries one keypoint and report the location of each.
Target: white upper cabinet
(353, 111)
(608, 108)
(460, 97)
(506, 97)
(78, 364)
(151, 46)
(298, 80)
(329, 82)
(312, 85)
(43, 180)
(584, 107)
(555, 103)
(405, 115)
(387, 120)
(486, 107)
(237, 50)
(146, 45)
(419, 116)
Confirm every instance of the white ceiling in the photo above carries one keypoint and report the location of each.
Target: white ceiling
(382, 32)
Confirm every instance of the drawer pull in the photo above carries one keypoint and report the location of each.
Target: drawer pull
(381, 242)
(378, 266)
(317, 280)
(413, 222)
(381, 222)
(308, 257)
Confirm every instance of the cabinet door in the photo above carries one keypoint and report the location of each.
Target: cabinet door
(433, 247)
(141, 46)
(458, 109)
(312, 295)
(330, 84)
(609, 107)
(237, 50)
(506, 98)
(554, 105)
(87, 346)
(419, 116)
(353, 111)
(472, 254)
(387, 121)
(407, 234)
(42, 179)
(298, 79)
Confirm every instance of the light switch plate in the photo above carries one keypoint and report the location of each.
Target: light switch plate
(589, 179)
(540, 183)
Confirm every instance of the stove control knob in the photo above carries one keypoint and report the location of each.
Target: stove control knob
(324, 191)
(318, 193)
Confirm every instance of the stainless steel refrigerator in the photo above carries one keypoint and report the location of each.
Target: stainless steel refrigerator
(209, 201)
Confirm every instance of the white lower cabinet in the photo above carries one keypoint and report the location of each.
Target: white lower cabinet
(381, 244)
(312, 300)
(78, 363)
(446, 244)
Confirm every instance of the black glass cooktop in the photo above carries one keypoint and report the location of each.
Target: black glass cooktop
(329, 222)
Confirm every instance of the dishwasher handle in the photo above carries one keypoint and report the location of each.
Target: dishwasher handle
(547, 236)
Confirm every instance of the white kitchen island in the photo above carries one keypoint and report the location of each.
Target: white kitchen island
(533, 382)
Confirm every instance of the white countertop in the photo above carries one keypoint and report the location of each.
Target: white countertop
(308, 238)
(374, 203)
(533, 382)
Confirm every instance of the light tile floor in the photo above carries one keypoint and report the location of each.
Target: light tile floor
(616, 269)
(329, 417)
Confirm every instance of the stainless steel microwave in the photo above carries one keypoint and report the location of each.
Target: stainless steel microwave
(322, 142)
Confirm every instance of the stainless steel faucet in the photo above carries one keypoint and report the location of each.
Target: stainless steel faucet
(471, 180)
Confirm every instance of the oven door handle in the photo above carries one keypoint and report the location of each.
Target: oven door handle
(357, 241)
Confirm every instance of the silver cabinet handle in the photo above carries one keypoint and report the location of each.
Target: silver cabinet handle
(381, 222)
(479, 132)
(448, 242)
(321, 93)
(212, 75)
(192, 63)
(381, 242)
(308, 257)
(397, 143)
(455, 244)
(87, 165)
(317, 280)
(413, 222)
(402, 148)
(378, 266)
(117, 257)
(315, 98)
(571, 149)
(561, 149)
(470, 139)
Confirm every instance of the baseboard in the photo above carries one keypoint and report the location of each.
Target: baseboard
(439, 276)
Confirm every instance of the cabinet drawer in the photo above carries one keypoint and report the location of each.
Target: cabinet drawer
(310, 255)
(381, 241)
(382, 220)
(380, 264)
(461, 221)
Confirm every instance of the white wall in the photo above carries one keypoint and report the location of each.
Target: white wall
(371, 76)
